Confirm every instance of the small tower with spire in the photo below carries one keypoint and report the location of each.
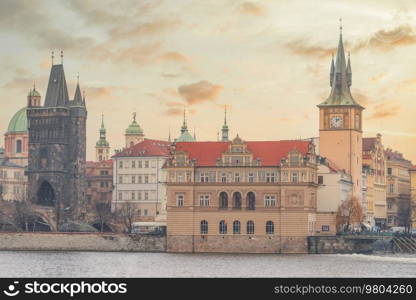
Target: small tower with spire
(33, 98)
(134, 133)
(185, 135)
(224, 129)
(102, 147)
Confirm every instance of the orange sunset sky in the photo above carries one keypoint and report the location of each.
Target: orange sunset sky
(268, 61)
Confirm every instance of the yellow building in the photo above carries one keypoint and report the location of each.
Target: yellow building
(374, 165)
(243, 196)
(413, 194)
(398, 189)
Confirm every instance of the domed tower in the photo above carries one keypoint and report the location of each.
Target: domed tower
(134, 134)
(185, 135)
(33, 98)
(102, 147)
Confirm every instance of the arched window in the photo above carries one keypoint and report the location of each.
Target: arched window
(236, 227)
(251, 201)
(250, 227)
(223, 200)
(204, 227)
(223, 227)
(237, 200)
(19, 146)
(44, 158)
(269, 227)
(46, 194)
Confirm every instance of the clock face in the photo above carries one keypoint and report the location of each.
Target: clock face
(336, 122)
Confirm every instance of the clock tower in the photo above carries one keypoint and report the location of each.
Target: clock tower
(340, 121)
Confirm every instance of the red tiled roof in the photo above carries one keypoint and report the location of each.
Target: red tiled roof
(269, 152)
(368, 143)
(413, 168)
(147, 147)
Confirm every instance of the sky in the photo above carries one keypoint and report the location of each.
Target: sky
(268, 61)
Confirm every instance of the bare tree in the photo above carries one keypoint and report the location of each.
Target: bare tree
(104, 214)
(128, 213)
(349, 213)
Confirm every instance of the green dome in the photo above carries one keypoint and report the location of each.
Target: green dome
(185, 137)
(19, 122)
(134, 129)
(33, 93)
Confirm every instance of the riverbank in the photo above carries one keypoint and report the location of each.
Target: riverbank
(56, 241)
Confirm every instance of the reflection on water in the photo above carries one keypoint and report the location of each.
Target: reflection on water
(122, 264)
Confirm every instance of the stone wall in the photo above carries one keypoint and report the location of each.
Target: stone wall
(237, 244)
(347, 244)
(81, 242)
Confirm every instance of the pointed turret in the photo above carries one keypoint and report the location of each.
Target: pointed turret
(349, 72)
(224, 129)
(57, 92)
(185, 135)
(184, 125)
(332, 72)
(102, 147)
(340, 79)
(78, 98)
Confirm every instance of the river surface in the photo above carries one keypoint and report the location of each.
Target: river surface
(126, 264)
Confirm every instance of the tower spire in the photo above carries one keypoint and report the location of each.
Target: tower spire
(340, 77)
(62, 57)
(224, 129)
(184, 125)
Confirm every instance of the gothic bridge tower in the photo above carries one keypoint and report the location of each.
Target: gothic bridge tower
(57, 151)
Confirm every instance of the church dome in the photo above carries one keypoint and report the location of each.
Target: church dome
(33, 93)
(134, 129)
(19, 122)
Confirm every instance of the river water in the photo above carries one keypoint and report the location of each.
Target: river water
(126, 264)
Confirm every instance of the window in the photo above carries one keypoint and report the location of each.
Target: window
(236, 227)
(320, 179)
(139, 195)
(204, 227)
(204, 177)
(139, 179)
(237, 177)
(133, 179)
(285, 176)
(18, 146)
(250, 177)
(223, 227)
(146, 178)
(133, 164)
(251, 201)
(269, 200)
(146, 163)
(389, 171)
(294, 159)
(270, 177)
(390, 219)
(223, 200)
(389, 204)
(294, 177)
(146, 195)
(140, 164)
(120, 179)
(133, 196)
(223, 177)
(303, 177)
(204, 200)
(269, 227)
(120, 196)
(391, 188)
(139, 212)
(250, 227)
(145, 212)
(180, 200)
(180, 177)
(43, 158)
(236, 200)
(120, 164)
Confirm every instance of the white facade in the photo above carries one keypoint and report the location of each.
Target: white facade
(142, 182)
(334, 188)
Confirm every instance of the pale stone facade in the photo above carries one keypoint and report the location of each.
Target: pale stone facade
(140, 180)
(13, 182)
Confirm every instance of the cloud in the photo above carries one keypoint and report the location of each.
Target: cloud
(171, 75)
(387, 40)
(361, 97)
(174, 111)
(174, 56)
(301, 47)
(385, 110)
(202, 91)
(147, 28)
(251, 8)
(98, 92)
